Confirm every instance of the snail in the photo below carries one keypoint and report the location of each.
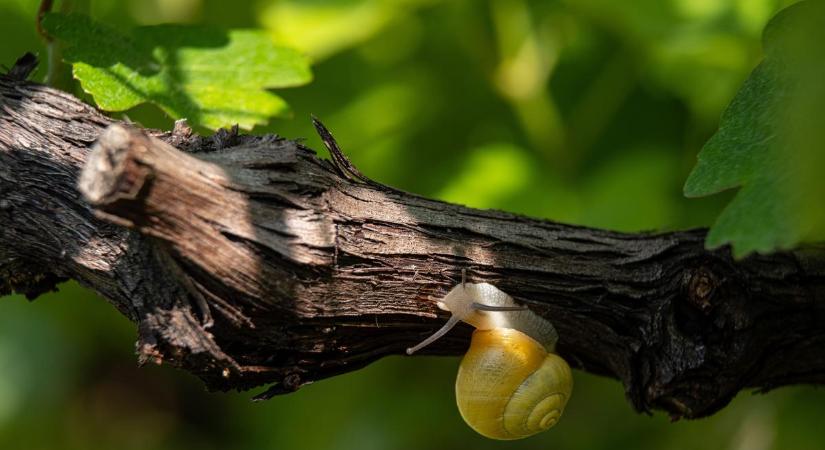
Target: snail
(510, 384)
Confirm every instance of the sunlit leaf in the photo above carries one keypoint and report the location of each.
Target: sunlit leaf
(211, 77)
(771, 143)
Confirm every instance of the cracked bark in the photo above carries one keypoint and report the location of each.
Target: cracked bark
(307, 269)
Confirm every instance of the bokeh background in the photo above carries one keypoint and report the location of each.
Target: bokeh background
(583, 111)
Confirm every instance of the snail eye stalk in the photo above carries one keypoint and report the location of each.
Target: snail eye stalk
(435, 336)
(483, 307)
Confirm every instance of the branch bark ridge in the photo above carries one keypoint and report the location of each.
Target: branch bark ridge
(248, 260)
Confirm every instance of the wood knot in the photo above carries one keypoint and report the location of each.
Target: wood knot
(111, 171)
(291, 382)
(701, 287)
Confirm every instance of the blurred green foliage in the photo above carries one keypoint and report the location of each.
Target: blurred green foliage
(583, 111)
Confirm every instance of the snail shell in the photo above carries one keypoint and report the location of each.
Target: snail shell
(509, 386)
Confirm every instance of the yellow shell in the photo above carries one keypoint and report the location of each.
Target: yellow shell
(509, 386)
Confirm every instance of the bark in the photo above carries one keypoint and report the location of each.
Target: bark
(247, 260)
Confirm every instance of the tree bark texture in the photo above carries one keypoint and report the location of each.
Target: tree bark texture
(247, 260)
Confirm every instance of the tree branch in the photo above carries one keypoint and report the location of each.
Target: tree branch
(306, 269)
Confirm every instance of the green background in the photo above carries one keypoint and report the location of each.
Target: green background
(582, 111)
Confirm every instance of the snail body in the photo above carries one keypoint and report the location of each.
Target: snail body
(510, 384)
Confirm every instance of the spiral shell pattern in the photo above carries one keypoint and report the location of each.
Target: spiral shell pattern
(509, 386)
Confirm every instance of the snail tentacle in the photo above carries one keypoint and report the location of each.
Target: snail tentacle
(495, 308)
(453, 321)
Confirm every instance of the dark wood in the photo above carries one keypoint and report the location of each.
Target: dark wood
(248, 260)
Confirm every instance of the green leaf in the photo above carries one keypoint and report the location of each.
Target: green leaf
(771, 143)
(211, 77)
